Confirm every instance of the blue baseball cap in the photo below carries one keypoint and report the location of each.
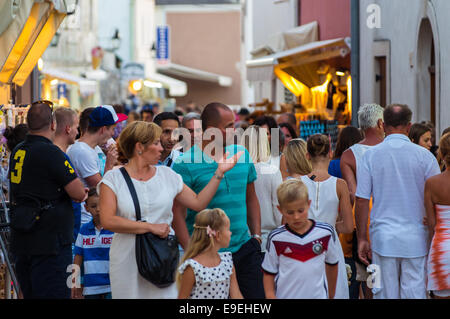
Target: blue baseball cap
(104, 115)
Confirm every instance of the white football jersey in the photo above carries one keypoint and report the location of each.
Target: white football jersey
(298, 261)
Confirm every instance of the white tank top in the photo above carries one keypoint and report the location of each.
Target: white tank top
(358, 151)
(324, 200)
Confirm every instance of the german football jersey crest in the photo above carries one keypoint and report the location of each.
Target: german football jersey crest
(302, 252)
(298, 260)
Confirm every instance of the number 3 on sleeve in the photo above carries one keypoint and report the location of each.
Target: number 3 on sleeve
(19, 157)
(71, 170)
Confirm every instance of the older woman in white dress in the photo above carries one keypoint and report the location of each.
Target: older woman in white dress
(157, 187)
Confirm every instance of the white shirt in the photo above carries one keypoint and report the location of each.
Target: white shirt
(170, 160)
(266, 184)
(395, 172)
(87, 161)
(298, 261)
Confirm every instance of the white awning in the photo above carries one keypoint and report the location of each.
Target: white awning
(289, 39)
(195, 74)
(293, 60)
(87, 87)
(26, 30)
(175, 87)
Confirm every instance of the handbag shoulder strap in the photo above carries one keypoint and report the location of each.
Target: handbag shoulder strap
(133, 192)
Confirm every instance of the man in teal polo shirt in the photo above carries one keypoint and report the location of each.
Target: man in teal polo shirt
(235, 195)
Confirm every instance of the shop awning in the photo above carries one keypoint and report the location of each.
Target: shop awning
(175, 87)
(29, 28)
(87, 87)
(301, 62)
(195, 74)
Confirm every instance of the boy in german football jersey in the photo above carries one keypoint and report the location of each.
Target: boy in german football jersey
(301, 260)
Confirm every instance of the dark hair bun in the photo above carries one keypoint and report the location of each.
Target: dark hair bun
(8, 132)
(318, 145)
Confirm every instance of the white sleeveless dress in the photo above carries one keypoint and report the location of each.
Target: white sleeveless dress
(324, 208)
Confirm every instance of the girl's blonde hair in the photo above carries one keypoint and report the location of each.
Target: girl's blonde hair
(205, 221)
(256, 141)
(142, 132)
(295, 154)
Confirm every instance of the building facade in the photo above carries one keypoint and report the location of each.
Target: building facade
(404, 60)
(205, 40)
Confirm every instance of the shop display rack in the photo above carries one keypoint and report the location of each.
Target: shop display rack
(330, 128)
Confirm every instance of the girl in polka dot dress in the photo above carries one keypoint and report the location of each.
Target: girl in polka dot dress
(204, 273)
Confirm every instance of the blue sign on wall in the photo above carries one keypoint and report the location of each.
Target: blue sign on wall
(62, 90)
(162, 45)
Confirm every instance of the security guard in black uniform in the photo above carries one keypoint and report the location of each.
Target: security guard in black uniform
(42, 186)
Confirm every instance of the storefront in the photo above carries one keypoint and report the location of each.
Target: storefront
(152, 87)
(317, 73)
(66, 89)
(27, 29)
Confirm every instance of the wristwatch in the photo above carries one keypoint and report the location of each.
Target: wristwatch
(219, 177)
(257, 237)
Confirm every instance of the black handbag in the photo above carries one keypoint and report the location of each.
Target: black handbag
(156, 258)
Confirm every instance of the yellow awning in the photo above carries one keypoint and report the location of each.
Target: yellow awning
(301, 62)
(27, 37)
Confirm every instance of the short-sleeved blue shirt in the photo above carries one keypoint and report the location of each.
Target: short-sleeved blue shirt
(197, 169)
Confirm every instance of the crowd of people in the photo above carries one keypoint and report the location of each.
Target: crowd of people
(261, 215)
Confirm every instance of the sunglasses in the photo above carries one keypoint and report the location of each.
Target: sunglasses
(49, 103)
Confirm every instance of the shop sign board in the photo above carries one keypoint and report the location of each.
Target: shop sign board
(133, 71)
(62, 90)
(162, 45)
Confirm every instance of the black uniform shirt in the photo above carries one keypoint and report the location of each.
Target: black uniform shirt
(39, 168)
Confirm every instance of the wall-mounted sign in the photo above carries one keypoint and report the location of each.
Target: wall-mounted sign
(162, 45)
(133, 71)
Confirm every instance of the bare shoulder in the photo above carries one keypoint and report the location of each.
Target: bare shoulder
(439, 188)
(341, 186)
(434, 181)
(347, 158)
(341, 183)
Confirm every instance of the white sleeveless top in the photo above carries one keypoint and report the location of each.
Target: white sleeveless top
(324, 200)
(325, 208)
(358, 151)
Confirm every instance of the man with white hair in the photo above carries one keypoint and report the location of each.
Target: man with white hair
(195, 129)
(370, 118)
(394, 174)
